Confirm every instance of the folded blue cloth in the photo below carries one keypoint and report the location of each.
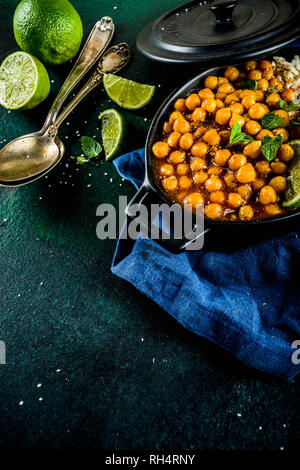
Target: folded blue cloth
(247, 301)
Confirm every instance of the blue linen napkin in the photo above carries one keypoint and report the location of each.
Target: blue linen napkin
(247, 301)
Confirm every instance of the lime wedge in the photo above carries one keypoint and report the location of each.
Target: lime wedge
(24, 81)
(113, 127)
(126, 93)
(292, 194)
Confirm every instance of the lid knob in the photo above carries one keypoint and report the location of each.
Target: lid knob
(223, 10)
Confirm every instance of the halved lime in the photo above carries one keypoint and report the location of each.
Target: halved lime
(126, 93)
(113, 126)
(24, 81)
(292, 194)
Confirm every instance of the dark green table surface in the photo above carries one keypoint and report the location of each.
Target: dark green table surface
(116, 371)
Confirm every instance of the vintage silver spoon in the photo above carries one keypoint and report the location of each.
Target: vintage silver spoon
(113, 60)
(31, 154)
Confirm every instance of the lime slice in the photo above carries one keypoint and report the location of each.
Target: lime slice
(126, 93)
(292, 194)
(113, 127)
(24, 81)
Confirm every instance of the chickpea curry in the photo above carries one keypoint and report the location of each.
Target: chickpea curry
(225, 146)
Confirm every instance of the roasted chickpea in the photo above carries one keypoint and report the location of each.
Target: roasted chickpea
(173, 139)
(160, 149)
(198, 164)
(182, 169)
(212, 137)
(177, 156)
(221, 96)
(199, 149)
(167, 128)
(268, 74)
(263, 84)
(273, 100)
(263, 167)
(245, 93)
(199, 132)
(221, 157)
(192, 102)
(194, 199)
(252, 127)
(223, 116)
(246, 212)
(209, 105)
(206, 93)
(222, 80)
(244, 190)
(279, 167)
(166, 169)
(175, 115)
(182, 125)
(199, 115)
(276, 83)
(237, 108)
(255, 75)
(185, 182)
(284, 115)
(279, 183)
(285, 153)
(253, 149)
(213, 211)
(234, 200)
(200, 177)
(287, 94)
(217, 197)
(267, 195)
(231, 98)
(213, 183)
(272, 209)
(259, 96)
(211, 82)
(186, 141)
(257, 111)
(219, 104)
(170, 183)
(236, 118)
(180, 105)
(236, 161)
(250, 65)
(283, 132)
(262, 134)
(265, 65)
(257, 184)
(231, 73)
(248, 101)
(230, 180)
(246, 173)
(226, 88)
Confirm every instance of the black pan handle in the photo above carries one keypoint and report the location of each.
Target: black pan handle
(147, 197)
(223, 11)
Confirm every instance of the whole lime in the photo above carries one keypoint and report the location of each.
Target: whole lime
(50, 30)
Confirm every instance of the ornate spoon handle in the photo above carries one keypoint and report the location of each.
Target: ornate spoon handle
(112, 61)
(98, 40)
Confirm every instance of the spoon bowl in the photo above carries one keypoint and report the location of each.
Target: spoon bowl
(28, 155)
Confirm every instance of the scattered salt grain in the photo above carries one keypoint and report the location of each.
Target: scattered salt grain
(21, 403)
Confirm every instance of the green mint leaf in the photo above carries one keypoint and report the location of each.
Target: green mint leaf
(249, 85)
(272, 121)
(238, 137)
(295, 123)
(273, 90)
(81, 160)
(270, 146)
(289, 107)
(90, 147)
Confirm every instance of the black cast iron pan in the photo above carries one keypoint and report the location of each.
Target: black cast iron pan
(150, 193)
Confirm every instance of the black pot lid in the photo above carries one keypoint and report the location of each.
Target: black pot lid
(221, 32)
